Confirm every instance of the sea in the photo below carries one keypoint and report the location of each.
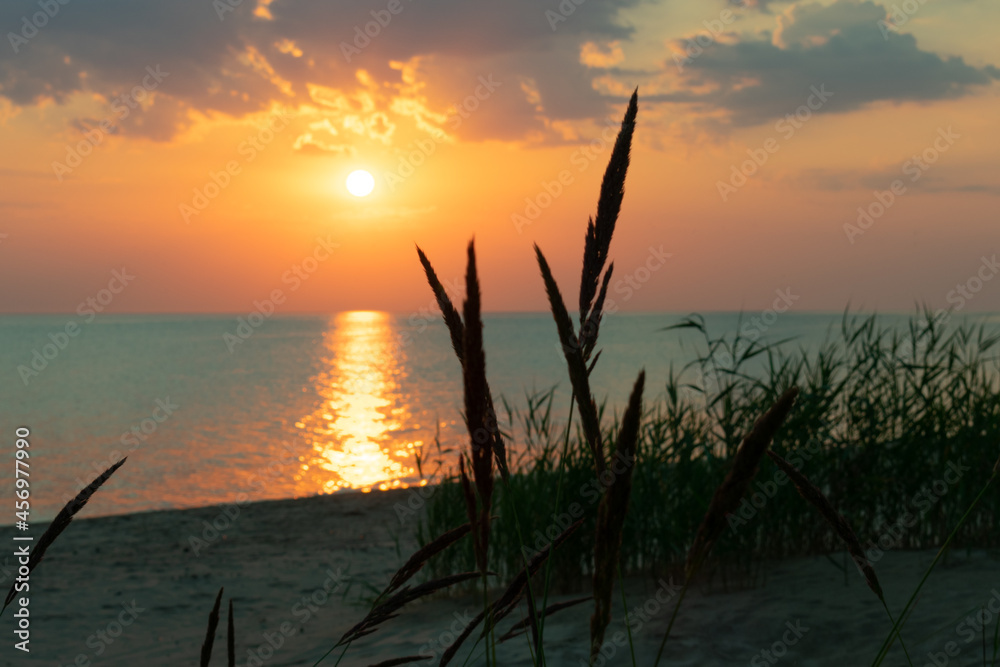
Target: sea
(216, 409)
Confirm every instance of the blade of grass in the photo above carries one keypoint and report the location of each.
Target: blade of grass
(401, 661)
(551, 610)
(231, 638)
(577, 367)
(897, 626)
(61, 523)
(600, 229)
(815, 497)
(729, 493)
(456, 329)
(628, 626)
(836, 520)
(451, 317)
(540, 649)
(213, 625)
(480, 423)
(387, 609)
(421, 556)
(511, 596)
(611, 515)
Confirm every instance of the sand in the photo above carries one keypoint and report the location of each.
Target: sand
(136, 590)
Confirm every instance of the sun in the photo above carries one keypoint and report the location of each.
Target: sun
(360, 183)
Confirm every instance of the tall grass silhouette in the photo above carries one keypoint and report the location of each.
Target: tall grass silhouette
(871, 416)
(578, 348)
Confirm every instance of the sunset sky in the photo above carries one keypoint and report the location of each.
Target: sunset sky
(203, 147)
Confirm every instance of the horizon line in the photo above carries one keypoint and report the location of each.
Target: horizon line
(317, 313)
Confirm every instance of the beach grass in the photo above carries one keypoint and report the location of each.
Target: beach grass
(898, 426)
(882, 430)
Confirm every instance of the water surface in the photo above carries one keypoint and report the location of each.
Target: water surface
(301, 406)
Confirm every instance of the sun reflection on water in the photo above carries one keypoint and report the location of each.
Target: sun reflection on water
(355, 434)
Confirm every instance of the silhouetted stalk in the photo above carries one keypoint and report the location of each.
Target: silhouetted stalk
(897, 626)
(628, 627)
(673, 617)
(548, 565)
(532, 614)
(888, 613)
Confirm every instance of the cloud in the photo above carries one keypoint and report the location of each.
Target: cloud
(601, 56)
(377, 76)
(241, 62)
(934, 180)
(761, 5)
(756, 79)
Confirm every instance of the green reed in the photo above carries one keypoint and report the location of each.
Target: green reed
(893, 423)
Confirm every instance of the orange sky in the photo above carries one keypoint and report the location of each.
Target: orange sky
(266, 92)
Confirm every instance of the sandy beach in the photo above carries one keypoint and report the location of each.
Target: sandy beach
(137, 589)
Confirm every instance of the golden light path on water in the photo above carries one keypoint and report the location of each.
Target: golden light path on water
(354, 433)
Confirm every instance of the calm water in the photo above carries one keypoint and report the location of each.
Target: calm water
(303, 406)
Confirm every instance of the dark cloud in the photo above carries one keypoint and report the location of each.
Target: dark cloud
(759, 79)
(934, 179)
(240, 63)
(981, 188)
(447, 27)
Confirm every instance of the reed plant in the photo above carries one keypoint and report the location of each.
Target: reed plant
(884, 411)
(612, 469)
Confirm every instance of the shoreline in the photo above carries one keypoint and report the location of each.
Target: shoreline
(135, 589)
